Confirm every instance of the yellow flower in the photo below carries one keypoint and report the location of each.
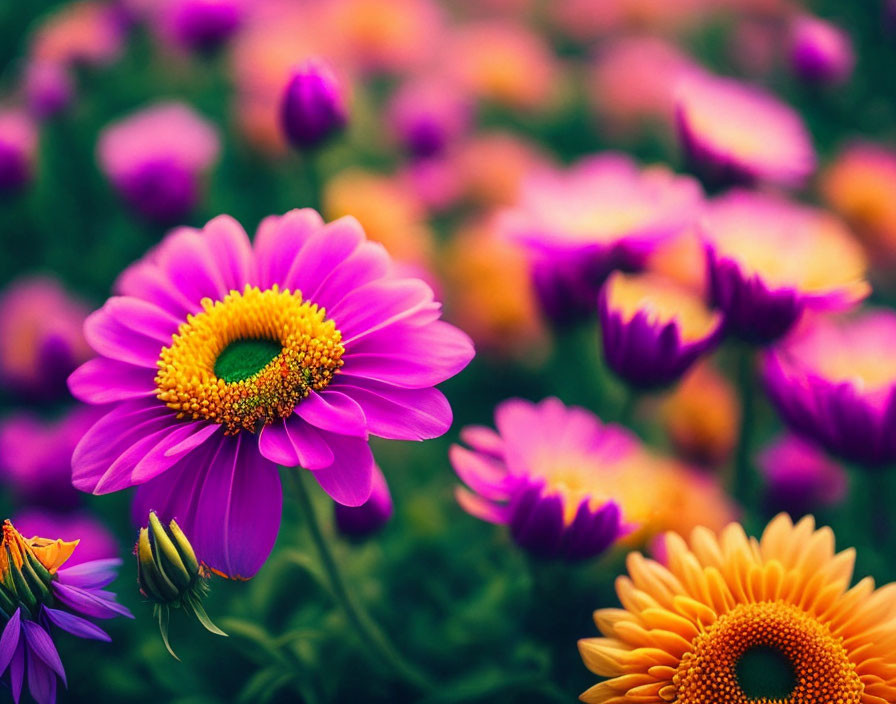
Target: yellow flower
(733, 620)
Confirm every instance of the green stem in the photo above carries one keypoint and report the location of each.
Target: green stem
(881, 525)
(741, 481)
(366, 628)
(627, 409)
(311, 166)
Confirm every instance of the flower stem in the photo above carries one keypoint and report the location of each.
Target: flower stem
(362, 623)
(311, 167)
(741, 481)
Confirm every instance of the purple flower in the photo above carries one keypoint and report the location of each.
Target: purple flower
(223, 359)
(769, 259)
(654, 329)
(549, 472)
(799, 478)
(41, 340)
(95, 542)
(156, 156)
(312, 109)
(834, 381)
(820, 52)
(733, 133)
(203, 25)
(18, 144)
(48, 88)
(32, 578)
(36, 456)
(604, 213)
(426, 117)
(369, 517)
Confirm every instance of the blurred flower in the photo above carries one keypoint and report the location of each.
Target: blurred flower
(427, 115)
(820, 52)
(217, 370)
(502, 62)
(18, 144)
(36, 456)
(799, 478)
(312, 109)
(434, 182)
(601, 214)
(701, 416)
(834, 380)
(95, 542)
(731, 619)
(586, 20)
(155, 158)
(681, 258)
(389, 213)
(33, 577)
(732, 133)
(770, 259)
(552, 473)
(654, 329)
(861, 185)
(48, 88)
(87, 32)
(41, 337)
(489, 292)
(682, 498)
(202, 25)
(170, 575)
(361, 521)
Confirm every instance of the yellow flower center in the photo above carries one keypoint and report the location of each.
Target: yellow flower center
(767, 653)
(248, 360)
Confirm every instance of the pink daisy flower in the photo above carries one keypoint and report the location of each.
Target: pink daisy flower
(224, 359)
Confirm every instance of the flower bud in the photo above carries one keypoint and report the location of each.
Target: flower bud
(820, 52)
(369, 517)
(204, 25)
(312, 108)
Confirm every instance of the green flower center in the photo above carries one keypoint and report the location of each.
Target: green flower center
(242, 359)
(764, 672)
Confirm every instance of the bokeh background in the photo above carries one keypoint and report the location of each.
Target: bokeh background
(533, 83)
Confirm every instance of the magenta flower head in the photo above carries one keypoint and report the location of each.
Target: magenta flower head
(800, 478)
(203, 25)
(36, 456)
(312, 109)
(48, 88)
(602, 214)
(549, 473)
(156, 156)
(368, 518)
(222, 359)
(733, 133)
(834, 381)
(426, 117)
(654, 329)
(36, 593)
(18, 146)
(820, 52)
(41, 337)
(769, 259)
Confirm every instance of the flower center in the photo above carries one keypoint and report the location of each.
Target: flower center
(249, 359)
(767, 653)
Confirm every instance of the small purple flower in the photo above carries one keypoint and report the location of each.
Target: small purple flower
(834, 381)
(654, 329)
(800, 478)
(18, 144)
(548, 473)
(312, 109)
(41, 336)
(734, 133)
(32, 579)
(95, 542)
(366, 519)
(427, 117)
(820, 52)
(223, 358)
(203, 25)
(604, 213)
(769, 259)
(48, 88)
(155, 159)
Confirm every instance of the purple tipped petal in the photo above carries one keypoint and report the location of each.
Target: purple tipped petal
(294, 443)
(76, 625)
(9, 641)
(348, 480)
(41, 680)
(322, 253)
(382, 303)
(90, 575)
(89, 602)
(103, 380)
(277, 243)
(130, 330)
(333, 411)
(41, 645)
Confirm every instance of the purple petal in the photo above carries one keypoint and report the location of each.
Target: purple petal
(41, 645)
(89, 602)
(277, 243)
(333, 411)
(90, 575)
(482, 474)
(348, 480)
(187, 260)
(382, 303)
(294, 443)
(369, 262)
(41, 680)
(324, 250)
(17, 671)
(10, 640)
(103, 380)
(145, 281)
(129, 330)
(228, 245)
(482, 508)
(77, 626)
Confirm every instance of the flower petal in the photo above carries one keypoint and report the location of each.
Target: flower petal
(294, 443)
(76, 625)
(277, 243)
(103, 380)
(41, 680)
(90, 575)
(89, 602)
(41, 644)
(348, 480)
(130, 330)
(10, 640)
(333, 411)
